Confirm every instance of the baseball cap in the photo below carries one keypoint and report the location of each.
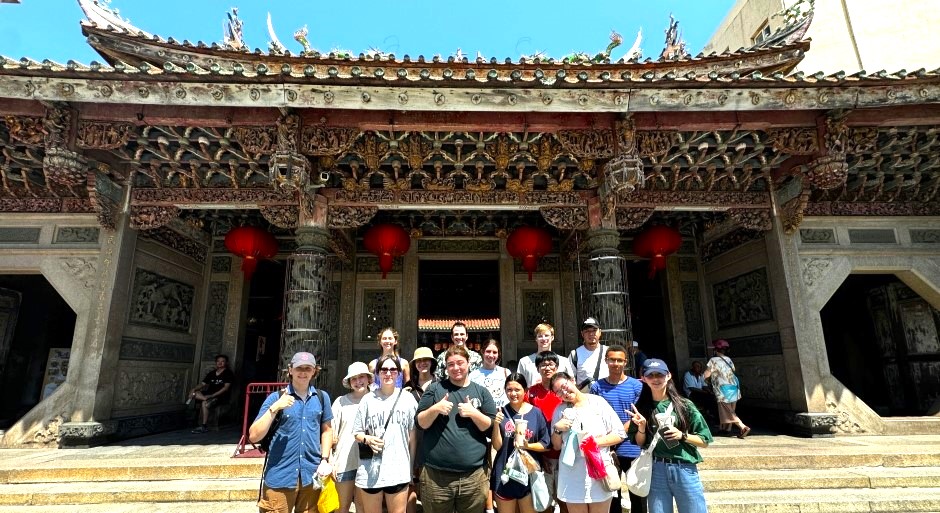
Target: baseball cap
(590, 322)
(654, 366)
(721, 344)
(303, 358)
(636, 344)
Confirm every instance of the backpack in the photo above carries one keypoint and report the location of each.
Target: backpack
(265, 444)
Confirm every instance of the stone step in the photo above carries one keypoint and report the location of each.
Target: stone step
(809, 479)
(911, 425)
(847, 500)
(122, 492)
(137, 507)
(65, 471)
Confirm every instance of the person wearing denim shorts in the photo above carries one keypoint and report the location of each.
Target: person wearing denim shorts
(345, 452)
(675, 471)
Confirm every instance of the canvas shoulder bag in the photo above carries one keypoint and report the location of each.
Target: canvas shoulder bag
(640, 473)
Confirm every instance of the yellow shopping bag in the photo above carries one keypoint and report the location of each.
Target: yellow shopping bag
(329, 497)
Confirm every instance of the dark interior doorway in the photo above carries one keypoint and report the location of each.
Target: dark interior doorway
(648, 311)
(38, 347)
(263, 323)
(457, 289)
(882, 343)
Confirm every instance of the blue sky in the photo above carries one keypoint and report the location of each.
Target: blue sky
(49, 29)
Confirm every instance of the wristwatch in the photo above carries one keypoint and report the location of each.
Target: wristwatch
(555, 430)
(685, 436)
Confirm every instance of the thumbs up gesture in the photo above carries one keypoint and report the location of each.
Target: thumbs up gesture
(444, 406)
(466, 408)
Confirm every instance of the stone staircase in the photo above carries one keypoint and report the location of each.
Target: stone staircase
(764, 473)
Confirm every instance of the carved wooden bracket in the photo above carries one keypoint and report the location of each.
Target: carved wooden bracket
(282, 216)
(565, 218)
(631, 218)
(95, 135)
(752, 219)
(791, 215)
(25, 130)
(106, 197)
(149, 217)
(350, 216)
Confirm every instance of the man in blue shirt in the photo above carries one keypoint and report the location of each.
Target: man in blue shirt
(621, 392)
(302, 444)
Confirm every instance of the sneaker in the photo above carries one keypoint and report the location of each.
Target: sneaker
(200, 430)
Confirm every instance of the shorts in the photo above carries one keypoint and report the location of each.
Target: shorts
(391, 490)
(349, 475)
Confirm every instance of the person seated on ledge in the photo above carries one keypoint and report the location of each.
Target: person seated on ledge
(213, 390)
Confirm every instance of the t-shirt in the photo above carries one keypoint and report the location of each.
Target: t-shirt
(546, 401)
(494, 380)
(215, 382)
(454, 443)
(594, 417)
(346, 454)
(528, 368)
(683, 452)
(536, 432)
(620, 397)
(392, 465)
(587, 363)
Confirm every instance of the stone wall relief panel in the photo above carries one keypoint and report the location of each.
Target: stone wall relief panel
(763, 380)
(694, 322)
(76, 235)
(145, 387)
(213, 335)
(161, 302)
(137, 349)
(221, 264)
(744, 299)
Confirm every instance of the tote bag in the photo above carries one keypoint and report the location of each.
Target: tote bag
(640, 473)
(541, 498)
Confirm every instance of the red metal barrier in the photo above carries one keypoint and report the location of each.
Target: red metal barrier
(242, 450)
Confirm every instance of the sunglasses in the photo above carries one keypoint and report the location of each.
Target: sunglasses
(388, 370)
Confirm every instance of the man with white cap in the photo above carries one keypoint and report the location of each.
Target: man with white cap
(588, 357)
(639, 359)
(302, 443)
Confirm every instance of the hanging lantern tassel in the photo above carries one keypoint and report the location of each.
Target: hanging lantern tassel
(386, 241)
(529, 244)
(656, 243)
(250, 243)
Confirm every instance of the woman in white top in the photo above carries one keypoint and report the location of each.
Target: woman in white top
(388, 341)
(492, 376)
(544, 336)
(386, 423)
(584, 414)
(345, 453)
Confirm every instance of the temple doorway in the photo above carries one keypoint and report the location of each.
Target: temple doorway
(648, 304)
(451, 290)
(37, 327)
(882, 342)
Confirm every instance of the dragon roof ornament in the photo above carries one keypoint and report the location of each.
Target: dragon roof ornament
(99, 12)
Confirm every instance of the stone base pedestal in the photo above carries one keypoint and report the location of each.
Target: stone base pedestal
(82, 435)
(813, 425)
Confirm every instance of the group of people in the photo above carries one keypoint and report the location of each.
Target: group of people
(444, 430)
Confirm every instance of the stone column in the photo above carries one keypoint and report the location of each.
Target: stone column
(609, 297)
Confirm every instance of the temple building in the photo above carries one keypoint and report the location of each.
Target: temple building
(791, 212)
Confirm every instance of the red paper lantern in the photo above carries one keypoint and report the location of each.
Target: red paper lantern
(529, 244)
(387, 241)
(251, 243)
(656, 243)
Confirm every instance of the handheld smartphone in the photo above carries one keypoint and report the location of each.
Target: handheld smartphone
(669, 443)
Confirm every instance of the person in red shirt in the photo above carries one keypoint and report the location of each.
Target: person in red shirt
(546, 401)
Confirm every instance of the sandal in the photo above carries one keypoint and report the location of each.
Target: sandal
(746, 430)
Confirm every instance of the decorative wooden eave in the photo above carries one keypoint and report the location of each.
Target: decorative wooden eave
(118, 46)
(147, 85)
